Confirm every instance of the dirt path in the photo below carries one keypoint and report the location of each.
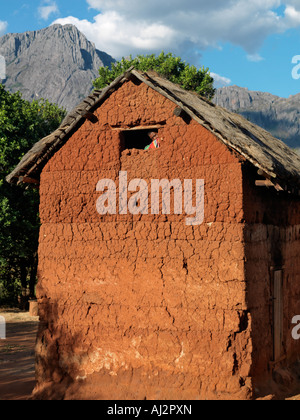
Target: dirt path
(17, 375)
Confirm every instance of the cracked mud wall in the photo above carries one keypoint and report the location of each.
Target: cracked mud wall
(136, 307)
(272, 243)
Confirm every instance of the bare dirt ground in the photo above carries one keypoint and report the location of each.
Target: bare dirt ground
(17, 374)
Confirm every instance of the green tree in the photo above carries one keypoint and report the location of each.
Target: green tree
(167, 65)
(21, 125)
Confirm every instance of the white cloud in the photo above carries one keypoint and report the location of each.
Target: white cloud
(48, 8)
(256, 58)
(111, 33)
(3, 27)
(292, 15)
(124, 27)
(220, 81)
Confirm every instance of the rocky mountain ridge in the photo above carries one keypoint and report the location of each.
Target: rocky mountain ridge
(279, 116)
(57, 63)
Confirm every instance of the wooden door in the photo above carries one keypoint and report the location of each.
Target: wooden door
(278, 314)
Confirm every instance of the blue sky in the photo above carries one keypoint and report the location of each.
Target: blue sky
(247, 43)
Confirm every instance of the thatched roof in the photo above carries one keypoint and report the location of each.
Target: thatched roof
(274, 160)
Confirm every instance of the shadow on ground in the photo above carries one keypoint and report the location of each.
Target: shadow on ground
(17, 356)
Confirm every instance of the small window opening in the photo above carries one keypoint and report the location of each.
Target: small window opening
(140, 139)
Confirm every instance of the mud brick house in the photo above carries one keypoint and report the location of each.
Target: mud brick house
(144, 306)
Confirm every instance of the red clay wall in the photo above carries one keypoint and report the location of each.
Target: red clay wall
(272, 240)
(136, 307)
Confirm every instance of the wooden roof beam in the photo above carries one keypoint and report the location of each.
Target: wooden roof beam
(28, 180)
(268, 183)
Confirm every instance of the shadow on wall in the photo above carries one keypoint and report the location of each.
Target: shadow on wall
(63, 360)
(55, 345)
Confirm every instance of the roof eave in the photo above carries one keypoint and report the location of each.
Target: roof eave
(263, 156)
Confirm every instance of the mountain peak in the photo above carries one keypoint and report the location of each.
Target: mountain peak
(57, 63)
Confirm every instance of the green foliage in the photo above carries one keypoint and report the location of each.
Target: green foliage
(167, 65)
(21, 125)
